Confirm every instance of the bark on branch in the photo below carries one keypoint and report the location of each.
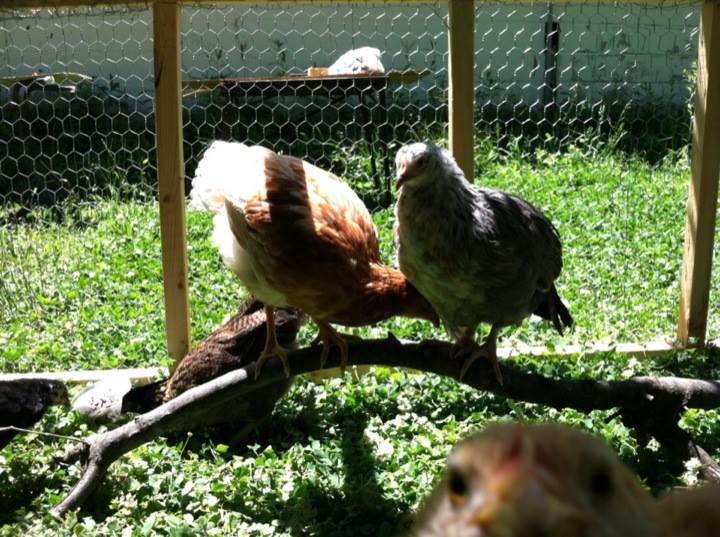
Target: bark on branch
(666, 396)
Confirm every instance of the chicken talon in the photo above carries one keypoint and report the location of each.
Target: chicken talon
(482, 351)
(466, 366)
(343, 346)
(267, 353)
(272, 347)
(330, 338)
(456, 351)
(324, 355)
(466, 344)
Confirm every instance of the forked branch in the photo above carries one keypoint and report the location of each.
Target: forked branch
(659, 396)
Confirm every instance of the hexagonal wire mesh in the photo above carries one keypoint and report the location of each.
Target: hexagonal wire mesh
(351, 125)
(76, 115)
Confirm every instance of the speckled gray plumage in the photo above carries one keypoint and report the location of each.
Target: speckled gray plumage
(477, 254)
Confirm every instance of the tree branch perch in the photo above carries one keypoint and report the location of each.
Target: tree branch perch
(668, 396)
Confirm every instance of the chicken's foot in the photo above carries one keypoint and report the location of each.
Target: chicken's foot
(329, 337)
(272, 347)
(467, 345)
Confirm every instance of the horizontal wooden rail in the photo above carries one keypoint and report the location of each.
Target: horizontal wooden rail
(137, 375)
(21, 4)
(144, 375)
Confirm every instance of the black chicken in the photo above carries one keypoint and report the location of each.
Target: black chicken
(24, 401)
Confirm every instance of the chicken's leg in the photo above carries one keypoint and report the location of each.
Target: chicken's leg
(272, 347)
(467, 344)
(329, 338)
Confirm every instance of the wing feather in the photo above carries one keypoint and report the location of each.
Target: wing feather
(297, 223)
(516, 241)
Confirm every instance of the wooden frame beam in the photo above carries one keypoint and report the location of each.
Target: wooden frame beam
(136, 375)
(461, 86)
(171, 174)
(703, 188)
(22, 4)
(143, 375)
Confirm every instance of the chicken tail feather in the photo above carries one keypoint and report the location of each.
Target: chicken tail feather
(226, 171)
(554, 310)
(142, 399)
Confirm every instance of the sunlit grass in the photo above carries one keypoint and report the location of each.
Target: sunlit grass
(344, 457)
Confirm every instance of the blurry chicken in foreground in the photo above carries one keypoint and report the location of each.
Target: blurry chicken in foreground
(24, 401)
(477, 254)
(235, 344)
(539, 481)
(693, 512)
(299, 236)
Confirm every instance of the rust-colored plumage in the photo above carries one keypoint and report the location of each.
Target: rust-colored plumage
(298, 235)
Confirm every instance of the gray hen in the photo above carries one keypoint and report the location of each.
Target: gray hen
(478, 255)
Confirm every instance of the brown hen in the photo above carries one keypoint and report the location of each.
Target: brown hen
(539, 481)
(299, 236)
(235, 344)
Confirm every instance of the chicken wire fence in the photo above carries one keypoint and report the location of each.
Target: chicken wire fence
(76, 97)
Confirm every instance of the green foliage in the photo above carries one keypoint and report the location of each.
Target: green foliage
(351, 456)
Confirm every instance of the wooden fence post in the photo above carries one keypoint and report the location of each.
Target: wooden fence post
(461, 90)
(171, 173)
(703, 188)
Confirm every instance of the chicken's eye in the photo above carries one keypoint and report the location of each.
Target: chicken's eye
(422, 161)
(457, 487)
(601, 483)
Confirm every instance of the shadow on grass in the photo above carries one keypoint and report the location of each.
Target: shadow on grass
(361, 508)
(26, 484)
(355, 504)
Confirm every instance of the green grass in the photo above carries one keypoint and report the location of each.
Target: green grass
(345, 456)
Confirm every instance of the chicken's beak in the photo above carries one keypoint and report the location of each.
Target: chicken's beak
(522, 496)
(402, 174)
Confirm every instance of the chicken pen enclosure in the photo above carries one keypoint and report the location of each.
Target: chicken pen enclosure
(79, 80)
(603, 114)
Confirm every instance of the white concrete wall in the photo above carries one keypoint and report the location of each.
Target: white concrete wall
(633, 48)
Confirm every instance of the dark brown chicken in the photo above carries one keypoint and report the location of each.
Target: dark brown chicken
(299, 236)
(233, 345)
(24, 401)
(540, 481)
